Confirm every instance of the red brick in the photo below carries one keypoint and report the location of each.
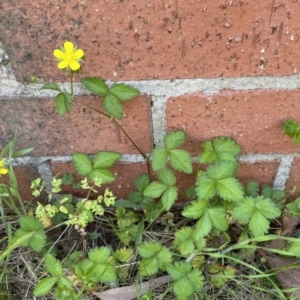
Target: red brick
(83, 130)
(294, 178)
(125, 174)
(24, 176)
(154, 39)
(253, 118)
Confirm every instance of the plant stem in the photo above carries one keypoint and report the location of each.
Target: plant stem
(71, 82)
(123, 130)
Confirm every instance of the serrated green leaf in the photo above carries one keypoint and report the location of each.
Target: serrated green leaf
(252, 189)
(142, 182)
(205, 187)
(95, 85)
(256, 211)
(51, 86)
(106, 159)
(82, 164)
(155, 189)
(221, 170)
(218, 218)
(187, 280)
(105, 273)
(184, 240)
(148, 249)
(105, 175)
(113, 106)
(53, 266)
(196, 209)
(123, 254)
(30, 223)
(174, 139)
(181, 160)
(148, 267)
(166, 176)
(294, 207)
(44, 286)
(123, 92)
(203, 226)
(169, 197)
(63, 103)
(230, 189)
(99, 255)
(159, 158)
(220, 149)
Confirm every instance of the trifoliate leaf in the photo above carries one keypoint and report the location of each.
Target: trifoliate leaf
(99, 255)
(155, 257)
(106, 159)
(166, 176)
(82, 164)
(256, 211)
(155, 189)
(123, 92)
(181, 160)
(252, 189)
(44, 286)
(113, 106)
(220, 149)
(53, 266)
(174, 139)
(187, 280)
(30, 233)
(169, 197)
(51, 86)
(159, 158)
(95, 85)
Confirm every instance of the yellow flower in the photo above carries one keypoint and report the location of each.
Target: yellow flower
(69, 56)
(3, 170)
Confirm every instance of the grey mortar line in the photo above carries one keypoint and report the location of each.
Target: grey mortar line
(283, 172)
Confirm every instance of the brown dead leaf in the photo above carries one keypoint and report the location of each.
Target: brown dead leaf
(133, 291)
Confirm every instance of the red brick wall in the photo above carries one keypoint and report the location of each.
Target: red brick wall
(212, 68)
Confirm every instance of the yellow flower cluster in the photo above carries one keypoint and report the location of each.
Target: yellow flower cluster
(69, 56)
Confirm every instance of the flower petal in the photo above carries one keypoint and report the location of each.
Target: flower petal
(68, 47)
(63, 64)
(3, 171)
(78, 54)
(58, 54)
(74, 65)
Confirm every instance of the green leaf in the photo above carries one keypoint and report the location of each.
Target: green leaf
(140, 232)
(205, 187)
(294, 248)
(230, 189)
(169, 197)
(31, 233)
(187, 280)
(222, 275)
(82, 164)
(292, 130)
(257, 211)
(53, 266)
(21, 152)
(51, 86)
(166, 176)
(155, 257)
(44, 286)
(105, 175)
(105, 273)
(113, 106)
(106, 159)
(181, 160)
(174, 139)
(196, 209)
(159, 158)
(123, 254)
(221, 170)
(63, 103)
(155, 189)
(123, 92)
(184, 240)
(294, 207)
(99, 255)
(142, 182)
(220, 149)
(95, 85)
(252, 189)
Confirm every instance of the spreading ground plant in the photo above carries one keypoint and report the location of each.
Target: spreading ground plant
(215, 246)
